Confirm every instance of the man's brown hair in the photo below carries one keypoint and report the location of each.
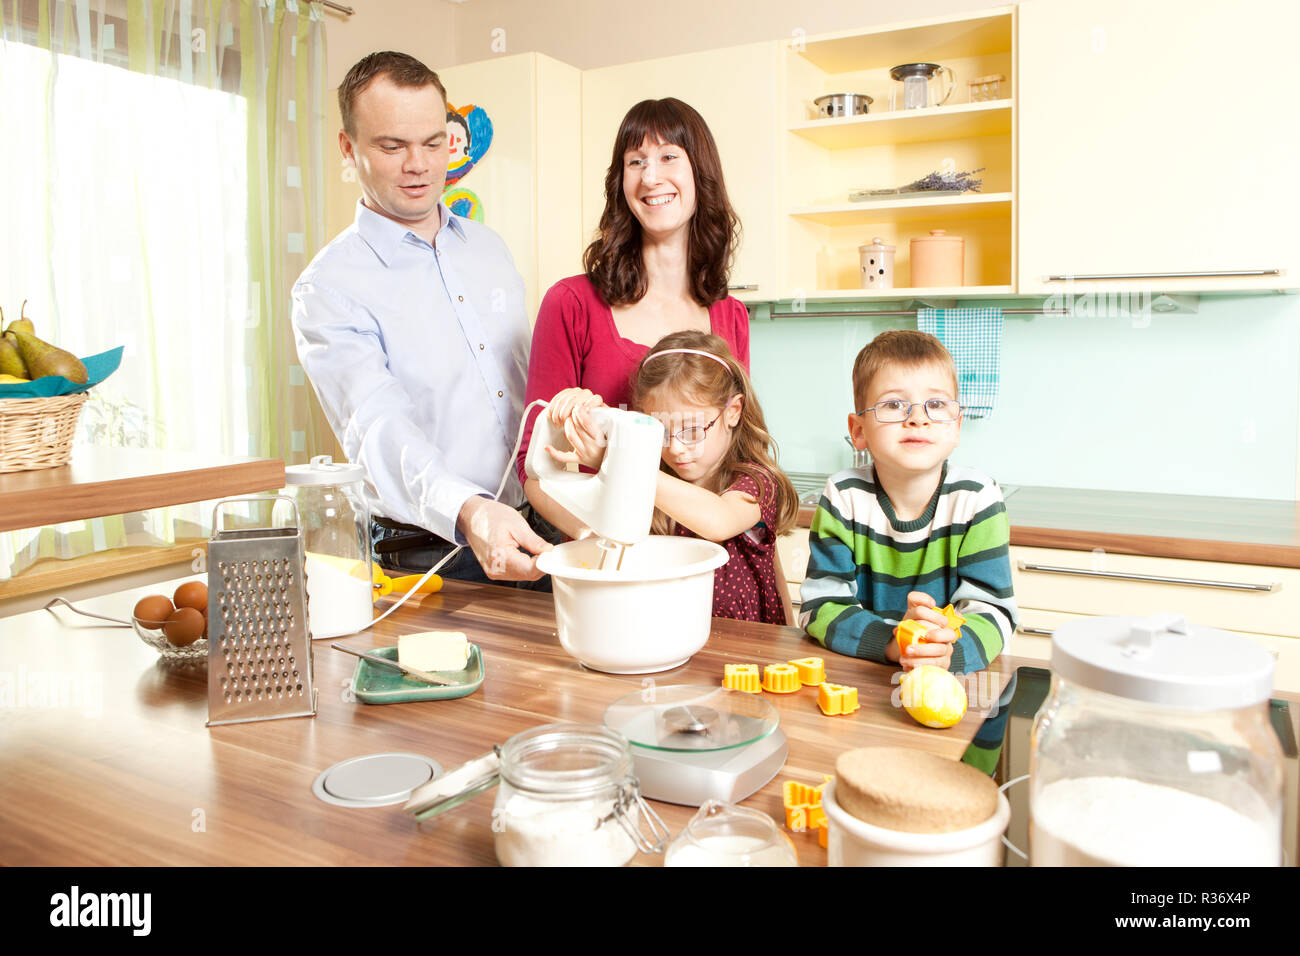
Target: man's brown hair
(400, 68)
(905, 347)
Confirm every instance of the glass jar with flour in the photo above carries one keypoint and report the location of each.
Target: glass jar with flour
(1154, 748)
(336, 539)
(568, 798)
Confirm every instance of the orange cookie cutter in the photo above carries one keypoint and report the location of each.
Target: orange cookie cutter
(812, 670)
(837, 699)
(781, 678)
(742, 677)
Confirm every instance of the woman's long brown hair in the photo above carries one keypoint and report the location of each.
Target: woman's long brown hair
(613, 261)
(702, 381)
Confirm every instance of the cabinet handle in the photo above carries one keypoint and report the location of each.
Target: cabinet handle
(1158, 579)
(1166, 275)
(1044, 631)
(747, 287)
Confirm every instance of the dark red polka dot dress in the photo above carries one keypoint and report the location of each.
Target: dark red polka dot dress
(745, 587)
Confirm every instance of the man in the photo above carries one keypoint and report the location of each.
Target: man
(412, 328)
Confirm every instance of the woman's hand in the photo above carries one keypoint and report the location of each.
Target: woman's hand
(570, 410)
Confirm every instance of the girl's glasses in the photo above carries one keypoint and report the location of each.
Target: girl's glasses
(896, 410)
(691, 434)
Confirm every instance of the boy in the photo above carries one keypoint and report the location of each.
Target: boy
(911, 534)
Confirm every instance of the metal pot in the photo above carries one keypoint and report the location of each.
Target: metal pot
(842, 104)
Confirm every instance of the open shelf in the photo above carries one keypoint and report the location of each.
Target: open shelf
(931, 124)
(932, 41)
(948, 208)
(889, 295)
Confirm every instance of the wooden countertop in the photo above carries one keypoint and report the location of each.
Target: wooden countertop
(110, 481)
(1197, 527)
(126, 773)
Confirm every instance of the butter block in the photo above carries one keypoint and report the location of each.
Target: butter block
(434, 650)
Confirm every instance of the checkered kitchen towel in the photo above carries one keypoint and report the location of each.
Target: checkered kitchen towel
(974, 337)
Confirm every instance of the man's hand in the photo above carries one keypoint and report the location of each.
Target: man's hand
(496, 532)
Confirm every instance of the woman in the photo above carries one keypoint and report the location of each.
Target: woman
(659, 264)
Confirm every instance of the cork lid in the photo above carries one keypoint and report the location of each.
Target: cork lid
(913, 791)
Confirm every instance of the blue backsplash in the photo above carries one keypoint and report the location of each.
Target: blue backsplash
(1203, 404)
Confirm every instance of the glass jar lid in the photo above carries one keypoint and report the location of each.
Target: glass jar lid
(691, 718)
(323, 470)
(904, 70)
(1163, 659)
(569, 759)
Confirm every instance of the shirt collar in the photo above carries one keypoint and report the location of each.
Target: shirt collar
(384, 235)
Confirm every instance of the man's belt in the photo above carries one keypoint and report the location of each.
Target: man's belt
(405, 537)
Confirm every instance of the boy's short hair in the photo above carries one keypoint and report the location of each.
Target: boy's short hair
(905, 347)
(402, 69)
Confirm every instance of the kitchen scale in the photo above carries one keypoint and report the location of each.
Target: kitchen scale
(692, 743)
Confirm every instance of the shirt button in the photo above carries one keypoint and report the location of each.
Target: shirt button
(501, 394)
(480, 346)
(460, 298)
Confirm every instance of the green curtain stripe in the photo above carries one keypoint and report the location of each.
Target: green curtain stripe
(258, 274)
(274, 365)
(43, 25)
(302, 123)
(137, 53)
(158, 24)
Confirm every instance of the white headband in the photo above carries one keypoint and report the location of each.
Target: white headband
(717, 358)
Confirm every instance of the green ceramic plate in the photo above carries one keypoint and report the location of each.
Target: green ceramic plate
(383, 685)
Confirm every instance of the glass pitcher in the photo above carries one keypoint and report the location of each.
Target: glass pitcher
(723, 834)
(913, 89)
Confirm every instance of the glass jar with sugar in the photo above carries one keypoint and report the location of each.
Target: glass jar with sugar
(1154, 748)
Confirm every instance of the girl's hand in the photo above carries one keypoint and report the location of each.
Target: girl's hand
(570, 410)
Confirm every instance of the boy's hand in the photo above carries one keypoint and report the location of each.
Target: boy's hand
(936, 649)
(569, 409)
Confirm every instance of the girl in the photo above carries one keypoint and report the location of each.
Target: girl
(658, 264)
(718, 475)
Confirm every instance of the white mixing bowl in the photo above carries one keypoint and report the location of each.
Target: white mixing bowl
(650, 615)
(854, 842)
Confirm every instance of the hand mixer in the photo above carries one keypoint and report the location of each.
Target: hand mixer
(618, 501)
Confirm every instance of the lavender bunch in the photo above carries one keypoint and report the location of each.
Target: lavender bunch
(963, 181)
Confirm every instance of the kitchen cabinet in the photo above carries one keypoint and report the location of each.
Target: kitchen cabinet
(736, 91)
(824, 160)
(1155, 138)
(529, 175)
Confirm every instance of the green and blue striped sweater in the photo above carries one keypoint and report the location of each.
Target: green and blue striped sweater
(863, 561)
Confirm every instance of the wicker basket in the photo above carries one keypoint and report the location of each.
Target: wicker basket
(37, 432)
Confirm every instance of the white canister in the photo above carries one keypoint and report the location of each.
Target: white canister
(938, 261)
(877, 262)
(335, 526)
(1154, 748)
(854, 842)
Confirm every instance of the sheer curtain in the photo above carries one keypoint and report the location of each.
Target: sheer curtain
(163, 172)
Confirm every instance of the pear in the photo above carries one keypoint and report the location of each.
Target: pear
(42, 358)
(22, 323)
(11, 363)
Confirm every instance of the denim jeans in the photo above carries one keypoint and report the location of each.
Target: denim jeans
(425, 553)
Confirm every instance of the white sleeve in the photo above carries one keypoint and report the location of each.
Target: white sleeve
(342, 352)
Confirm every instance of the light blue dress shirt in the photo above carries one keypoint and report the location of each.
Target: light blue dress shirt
(418, 354)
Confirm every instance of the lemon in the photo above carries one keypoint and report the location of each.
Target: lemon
(933, 696)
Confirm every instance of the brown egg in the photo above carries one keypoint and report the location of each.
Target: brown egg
(184, 626)
(152, 611)
(192, 594)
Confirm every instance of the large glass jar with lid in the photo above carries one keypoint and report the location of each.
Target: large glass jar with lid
(335, 526)
(1154, 748)
(568, 797)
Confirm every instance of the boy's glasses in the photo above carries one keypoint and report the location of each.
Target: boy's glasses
(691, 434)
(895, 410)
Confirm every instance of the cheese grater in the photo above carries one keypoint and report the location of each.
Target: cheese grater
(259, 648)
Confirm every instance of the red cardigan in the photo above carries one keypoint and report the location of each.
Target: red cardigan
(576, 344)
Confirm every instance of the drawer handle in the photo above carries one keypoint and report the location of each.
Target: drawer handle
(1158, 579)
(1228, 273)
(1043, 631)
